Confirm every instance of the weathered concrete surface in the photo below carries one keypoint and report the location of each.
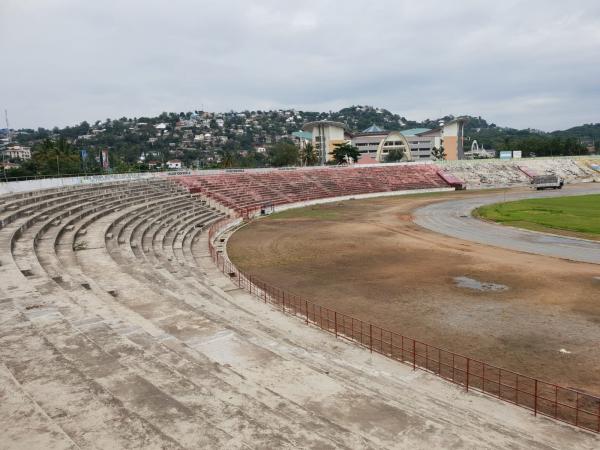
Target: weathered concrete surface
(105, 344)
(453, 218)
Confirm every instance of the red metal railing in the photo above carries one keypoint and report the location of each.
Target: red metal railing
(547, 399)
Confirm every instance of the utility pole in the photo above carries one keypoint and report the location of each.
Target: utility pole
(8, 143)
(7, 125)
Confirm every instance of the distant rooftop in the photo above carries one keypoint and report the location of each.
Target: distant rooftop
(373, 129)
(303, 135)
(331, 123)
(414, 131)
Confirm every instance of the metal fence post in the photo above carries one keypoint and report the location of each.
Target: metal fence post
(414, 352)
(483, 380)
(468, 365)
(535, 396)
(306, 306)
(335, 322)
(577, 410)
(371, 337)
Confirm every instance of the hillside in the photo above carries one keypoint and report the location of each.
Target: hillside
(205, 139)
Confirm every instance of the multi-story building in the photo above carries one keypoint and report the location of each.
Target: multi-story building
(375, 143)
(368, 140)
(326, 134)
(16, 152)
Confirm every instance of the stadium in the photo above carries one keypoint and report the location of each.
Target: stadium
(326, 307)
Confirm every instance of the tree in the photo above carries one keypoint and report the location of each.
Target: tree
(308, 155)
(394, 155)
(227, 159)
(55, 158)
(283, 153)
(343, 152)
(438, 153)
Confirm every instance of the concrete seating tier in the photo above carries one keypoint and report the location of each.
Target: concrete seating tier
(490, 174)
(250, 190)
(117, 331)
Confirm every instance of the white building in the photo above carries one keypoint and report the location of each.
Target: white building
(377, 142)
(326, 134)
(174, 164)
(16, 152)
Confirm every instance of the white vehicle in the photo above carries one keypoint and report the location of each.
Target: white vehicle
(547, 182)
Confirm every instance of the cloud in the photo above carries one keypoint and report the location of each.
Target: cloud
(522, 64)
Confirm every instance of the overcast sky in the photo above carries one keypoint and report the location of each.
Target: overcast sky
(516, 63)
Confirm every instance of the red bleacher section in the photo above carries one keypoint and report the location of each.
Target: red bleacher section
(248, 191)
(453, 181)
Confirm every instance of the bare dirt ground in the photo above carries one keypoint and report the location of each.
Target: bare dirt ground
(368, 259)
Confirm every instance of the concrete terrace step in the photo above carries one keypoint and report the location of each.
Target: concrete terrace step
(263, 430)
(115, 347)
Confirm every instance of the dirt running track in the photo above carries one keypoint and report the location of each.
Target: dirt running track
(367, 258)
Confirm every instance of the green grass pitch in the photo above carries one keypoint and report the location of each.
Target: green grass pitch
(577, 215)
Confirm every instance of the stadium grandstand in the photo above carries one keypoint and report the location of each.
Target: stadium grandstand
(250, 190)
(118, 330)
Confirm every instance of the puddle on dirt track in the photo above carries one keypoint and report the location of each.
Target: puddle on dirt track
(471, 283)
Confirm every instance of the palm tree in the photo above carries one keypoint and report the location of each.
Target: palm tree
(343, 153)
(308, 155)
(226, 159)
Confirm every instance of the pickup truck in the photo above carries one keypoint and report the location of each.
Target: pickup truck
(547, 182)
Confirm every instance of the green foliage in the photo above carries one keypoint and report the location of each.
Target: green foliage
(530, 142)
(56, 158)
(283, 154)
(394, 155)
(309, 155)
(580, 214)
(438, 153)
(342, 152)
(361, 117)
(127, 140)
(227, 159)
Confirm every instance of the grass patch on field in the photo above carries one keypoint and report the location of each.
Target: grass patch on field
(577, 215)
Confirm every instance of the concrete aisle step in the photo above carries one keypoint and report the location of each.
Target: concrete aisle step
(264, 428)
(90, 415)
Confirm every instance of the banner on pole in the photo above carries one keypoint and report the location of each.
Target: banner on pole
(105, 163)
